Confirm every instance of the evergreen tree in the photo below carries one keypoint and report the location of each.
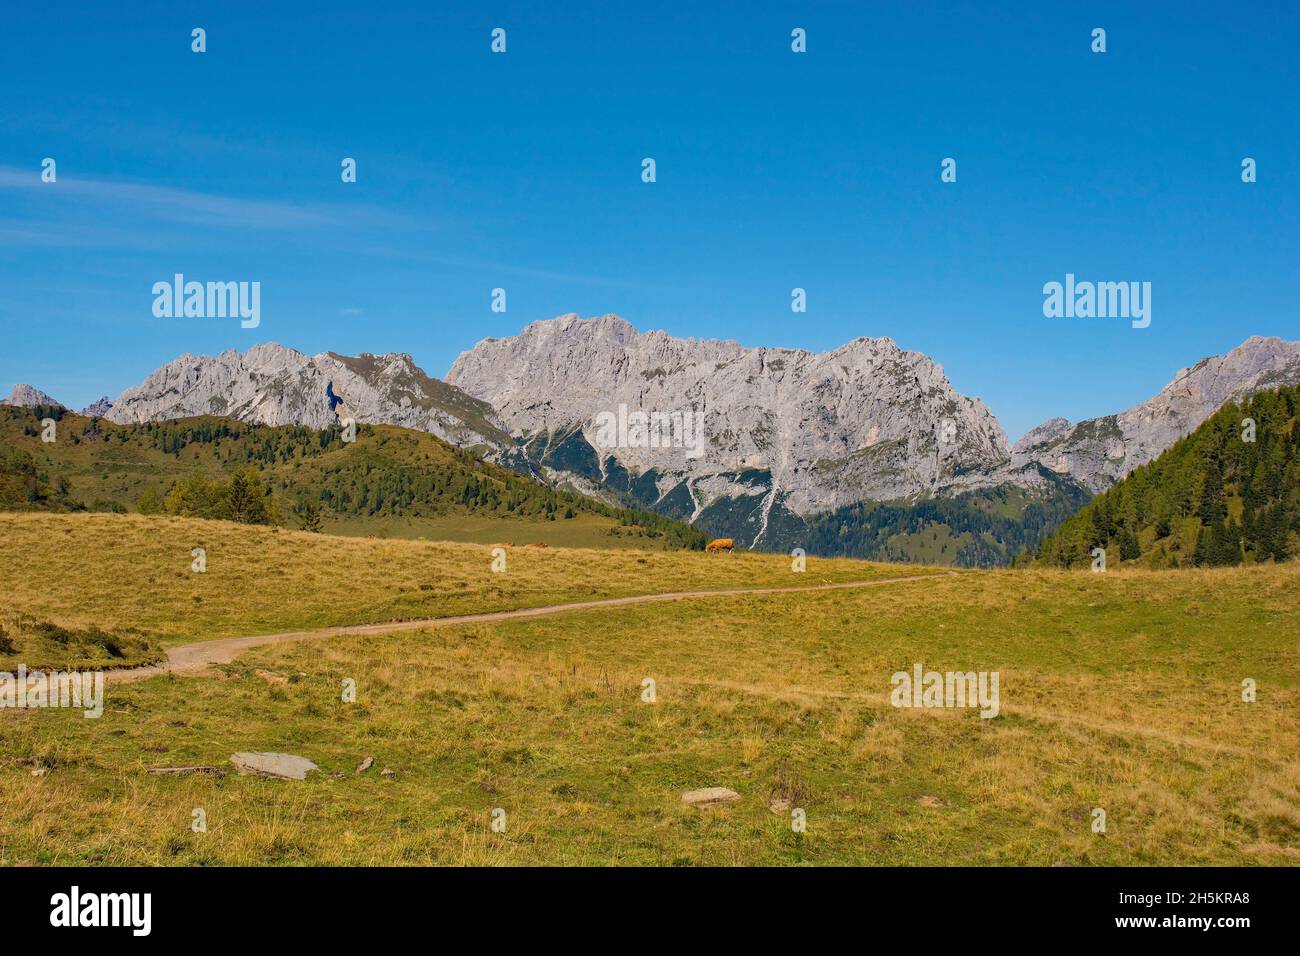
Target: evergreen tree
(309, 517)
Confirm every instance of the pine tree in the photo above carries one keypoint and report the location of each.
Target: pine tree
(1211, 507)
(309, 518)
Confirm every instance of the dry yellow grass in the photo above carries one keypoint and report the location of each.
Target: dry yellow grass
(119, 571)
(1119, 691)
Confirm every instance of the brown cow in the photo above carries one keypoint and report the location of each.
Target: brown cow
(721, 544)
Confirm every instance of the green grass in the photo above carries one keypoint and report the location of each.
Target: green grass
(936, 544)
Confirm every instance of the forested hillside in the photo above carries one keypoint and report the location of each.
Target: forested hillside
(1229, 493)
(981, 529)
(221, 468)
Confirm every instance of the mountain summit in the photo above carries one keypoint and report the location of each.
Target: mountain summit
(26, 396)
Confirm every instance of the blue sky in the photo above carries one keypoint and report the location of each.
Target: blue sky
(775, 170)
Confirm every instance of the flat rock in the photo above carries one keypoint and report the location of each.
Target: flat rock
(710, 797)
(283, 766)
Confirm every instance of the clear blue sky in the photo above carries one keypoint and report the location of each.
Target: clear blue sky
(775, 170)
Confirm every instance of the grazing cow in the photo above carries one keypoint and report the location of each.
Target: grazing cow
(721, 544)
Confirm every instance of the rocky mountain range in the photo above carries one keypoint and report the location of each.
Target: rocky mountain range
(99, 408)
(808, 433)
(1100, 451)
(785, 437)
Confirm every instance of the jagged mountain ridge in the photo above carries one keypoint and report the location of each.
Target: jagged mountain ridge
(273, 385)
(99, 408)
(1100, 451)
(792, 435)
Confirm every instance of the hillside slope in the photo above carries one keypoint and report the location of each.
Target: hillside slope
(1229, 493)
(390, 480)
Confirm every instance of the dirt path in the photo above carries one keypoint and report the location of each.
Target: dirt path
(197, 657)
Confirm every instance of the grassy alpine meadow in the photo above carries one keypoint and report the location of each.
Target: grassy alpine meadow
(133, 576)
(583, 531)
(1120, 692)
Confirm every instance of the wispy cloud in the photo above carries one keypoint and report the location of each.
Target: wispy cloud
(69, 235)
(96, 213)
(149, 202)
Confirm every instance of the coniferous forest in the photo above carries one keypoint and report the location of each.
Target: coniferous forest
(1229, 493)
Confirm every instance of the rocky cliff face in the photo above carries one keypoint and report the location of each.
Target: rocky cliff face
(1100, 451)
(273, 385)
(809, 431)
(26, 396)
